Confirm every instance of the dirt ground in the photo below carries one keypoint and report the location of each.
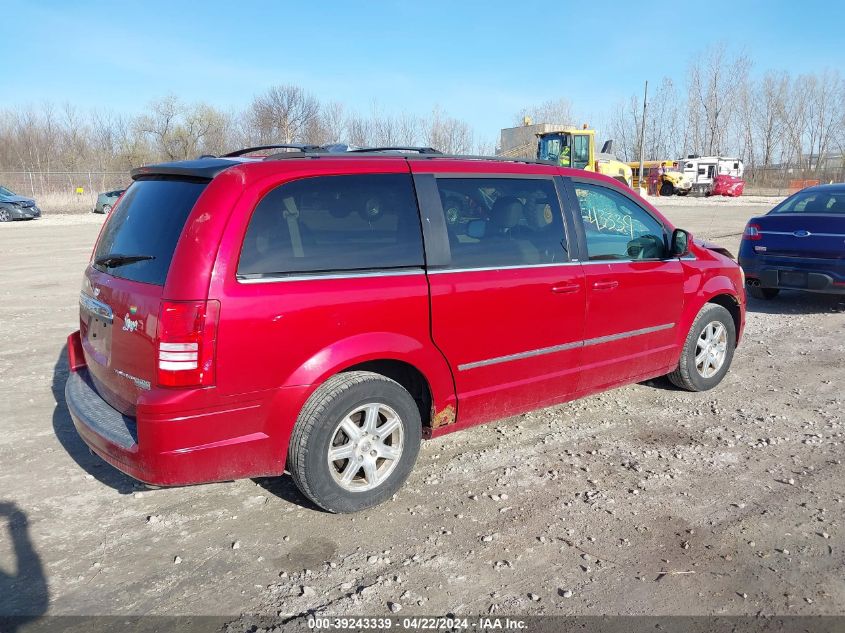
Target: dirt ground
(643, 500)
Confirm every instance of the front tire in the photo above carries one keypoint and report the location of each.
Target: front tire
(763, 293)
(355, 442)
(5, 216)
(708, 350)
(106, 209)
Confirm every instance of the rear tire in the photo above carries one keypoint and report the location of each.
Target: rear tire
(763, 293)
(708, 350)
(667, 189)
(106, 209)
(5, 216)
(372, 425)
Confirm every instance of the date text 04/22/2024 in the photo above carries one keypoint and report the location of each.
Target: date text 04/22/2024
(417, 623)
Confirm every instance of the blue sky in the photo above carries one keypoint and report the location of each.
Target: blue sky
(481, 61)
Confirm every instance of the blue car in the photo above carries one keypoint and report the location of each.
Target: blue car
(799, 245)
(15, 207)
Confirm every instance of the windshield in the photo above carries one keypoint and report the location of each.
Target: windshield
(830, 201)
(141, 234)
(5, 192)
(553, 146)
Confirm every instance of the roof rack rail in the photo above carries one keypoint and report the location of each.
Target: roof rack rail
(302, 147)
(397, 148)
(377, 153)
(500, 159)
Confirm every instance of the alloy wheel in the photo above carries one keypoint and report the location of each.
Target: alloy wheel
(366, 447)
(711, 349)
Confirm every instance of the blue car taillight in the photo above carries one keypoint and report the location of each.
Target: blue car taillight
(752, 232)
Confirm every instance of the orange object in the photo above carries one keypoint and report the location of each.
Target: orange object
(798, 185)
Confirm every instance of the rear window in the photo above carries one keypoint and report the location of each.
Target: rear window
(148, 222)
(334, 223)
(813, 202)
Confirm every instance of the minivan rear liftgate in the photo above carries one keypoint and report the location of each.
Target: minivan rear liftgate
(130, 341)
(125, 280)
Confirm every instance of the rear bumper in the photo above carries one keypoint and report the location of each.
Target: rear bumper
(823, 276)
(168, 448)
(110, 434)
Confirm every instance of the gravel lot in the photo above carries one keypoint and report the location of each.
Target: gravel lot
(644, 500)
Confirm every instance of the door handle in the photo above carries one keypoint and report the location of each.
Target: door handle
(605, 285)
(563, 289)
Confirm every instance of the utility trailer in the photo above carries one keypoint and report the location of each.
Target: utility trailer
(714, 175)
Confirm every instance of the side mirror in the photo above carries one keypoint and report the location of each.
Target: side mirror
(476, 228)
(680, 243)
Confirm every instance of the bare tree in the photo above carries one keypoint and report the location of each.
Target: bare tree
(823, 113)
(665, 125)
(283, 114)
(839, 136)
(770, 120)
(329, 126)
(767, 111)
(795, 121)
(180, 132)
(449, 135)
(624, 127)
(555, 111)
(159, 124)
(359, 130)
(712, 97)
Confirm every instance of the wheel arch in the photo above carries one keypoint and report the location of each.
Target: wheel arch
(416, 366)
(716, 288)
(731, 304)
(407, 375)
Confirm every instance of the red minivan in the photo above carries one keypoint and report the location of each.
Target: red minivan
(322, 313)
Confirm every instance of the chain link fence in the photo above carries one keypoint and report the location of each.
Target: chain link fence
(782, 181)
(64, 191)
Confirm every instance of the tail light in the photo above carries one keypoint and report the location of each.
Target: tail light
(752, 232)
(185, 343)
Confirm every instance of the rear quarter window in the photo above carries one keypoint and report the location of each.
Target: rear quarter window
(334, 223)
(813, 202)
(148, 222)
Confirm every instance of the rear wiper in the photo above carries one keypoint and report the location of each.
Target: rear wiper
(113, 260)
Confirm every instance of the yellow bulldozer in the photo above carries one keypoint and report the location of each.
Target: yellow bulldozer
(576, 147)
